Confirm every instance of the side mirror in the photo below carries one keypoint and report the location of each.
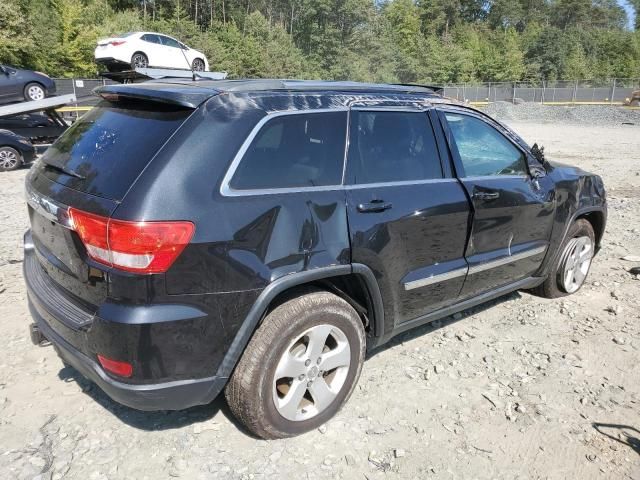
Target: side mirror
(538, 153)
(538, 169)
(3, 70)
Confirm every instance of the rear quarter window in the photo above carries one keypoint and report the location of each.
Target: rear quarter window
(294, 150)
(111, 145)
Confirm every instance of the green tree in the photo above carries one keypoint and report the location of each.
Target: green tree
(16, 44)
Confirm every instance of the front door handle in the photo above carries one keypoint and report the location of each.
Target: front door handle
(374, 206)
(486, 195)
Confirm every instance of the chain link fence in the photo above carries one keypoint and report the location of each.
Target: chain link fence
(615, 91)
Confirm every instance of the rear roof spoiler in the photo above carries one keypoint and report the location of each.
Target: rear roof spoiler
(434, 88)
(177, 94)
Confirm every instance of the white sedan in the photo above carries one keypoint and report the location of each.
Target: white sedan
(147, 49)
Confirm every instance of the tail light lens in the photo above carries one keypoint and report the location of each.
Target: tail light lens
(121, 369)
(115, 43)
(140, 247)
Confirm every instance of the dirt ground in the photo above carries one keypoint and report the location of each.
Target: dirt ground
(521, 388)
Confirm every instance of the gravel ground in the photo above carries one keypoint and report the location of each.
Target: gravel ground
(522, 388)
(597, 115)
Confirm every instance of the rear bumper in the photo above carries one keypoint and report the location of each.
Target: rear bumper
(73, 335)
(160, 396)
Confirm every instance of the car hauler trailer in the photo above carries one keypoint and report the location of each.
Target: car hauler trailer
(42, 133)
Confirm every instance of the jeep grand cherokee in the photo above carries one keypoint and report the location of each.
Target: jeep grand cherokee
(260, 236)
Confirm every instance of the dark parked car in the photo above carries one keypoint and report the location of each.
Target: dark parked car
(15, 151)
(17, 85)
(40, 127)
(261, 236)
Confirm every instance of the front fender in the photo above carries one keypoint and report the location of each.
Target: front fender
(578, 194)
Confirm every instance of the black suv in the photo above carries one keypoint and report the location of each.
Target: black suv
(261, 236)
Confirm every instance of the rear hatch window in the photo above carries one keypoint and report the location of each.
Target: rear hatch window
(106, 150)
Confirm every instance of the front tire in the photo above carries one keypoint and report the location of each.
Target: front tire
(10, 159)
(570, 270)
(139, 60)
(197, 65)
(34, 91)
(299, 368)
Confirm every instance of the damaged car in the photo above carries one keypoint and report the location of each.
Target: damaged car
(259, 237)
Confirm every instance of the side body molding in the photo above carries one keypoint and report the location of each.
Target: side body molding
(286, 282)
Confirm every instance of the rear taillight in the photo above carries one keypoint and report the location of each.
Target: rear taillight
(141, 247)
(122, 369)
(115, 43)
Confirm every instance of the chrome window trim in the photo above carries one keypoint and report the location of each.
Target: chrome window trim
(491, 177)
(227, 191)
(441, 277)
(426, 181)
(506, 260)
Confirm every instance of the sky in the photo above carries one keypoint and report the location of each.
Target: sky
(630, 12)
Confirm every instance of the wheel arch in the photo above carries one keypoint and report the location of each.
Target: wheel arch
(597, 219)
(354, 283)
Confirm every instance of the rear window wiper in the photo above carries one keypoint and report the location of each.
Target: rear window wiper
(63, 169)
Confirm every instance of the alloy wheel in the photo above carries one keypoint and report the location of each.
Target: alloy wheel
(139, 61)
(35, 92)
(577, 259)
(311, 372)
(8, 159)
(198, 65)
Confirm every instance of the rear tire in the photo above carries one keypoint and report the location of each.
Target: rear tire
(139, 60)
(34, 91)
(10, 159)
(571, 268)
(277, 390)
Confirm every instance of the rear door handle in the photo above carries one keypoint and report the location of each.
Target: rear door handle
(374, 206)
(486, 195)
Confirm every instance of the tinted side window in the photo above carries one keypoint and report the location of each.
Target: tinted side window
(483, 150)
(301, 150)
(392, 147)
(151, 38)
(169, 42)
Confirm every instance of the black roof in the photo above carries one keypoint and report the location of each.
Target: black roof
(191, 93)
(256, 85)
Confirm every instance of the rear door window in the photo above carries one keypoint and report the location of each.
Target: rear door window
(388, 146)
(151, 39)
(110, 146)
(289, 151)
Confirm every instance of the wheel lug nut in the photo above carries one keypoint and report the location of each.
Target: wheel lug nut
(307, 363)
(309, 383)
(301, 377)
(319, 360)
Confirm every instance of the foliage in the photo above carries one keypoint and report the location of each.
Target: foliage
(421, 41)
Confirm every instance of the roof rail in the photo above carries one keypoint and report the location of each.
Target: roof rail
(144, 74)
